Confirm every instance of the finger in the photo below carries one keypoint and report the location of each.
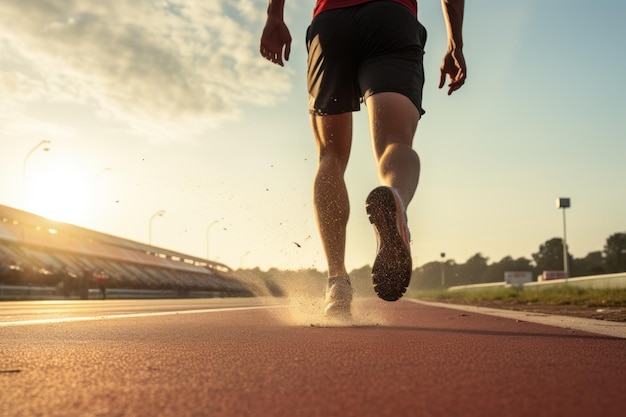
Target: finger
(460, 75)
(287, 51)
(457, 81)
(278, 58)
(266, 53)
(455, 86)
(270, 56)
(442, 78)
(452, 87)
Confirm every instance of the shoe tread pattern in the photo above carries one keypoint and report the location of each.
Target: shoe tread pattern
(391, 272)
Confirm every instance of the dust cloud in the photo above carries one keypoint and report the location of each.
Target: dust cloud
(303, 293)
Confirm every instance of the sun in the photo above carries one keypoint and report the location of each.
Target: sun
(60, 195)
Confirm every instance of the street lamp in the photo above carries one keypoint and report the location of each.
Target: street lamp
(25, 164)
(159, 213)
(28, 155)
(208, 229)
(443, 270)
(241, 259)
(564, 203)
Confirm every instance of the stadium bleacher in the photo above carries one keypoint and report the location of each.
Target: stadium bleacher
(36, 251)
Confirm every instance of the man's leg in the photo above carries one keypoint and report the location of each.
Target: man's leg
(393, 121)
(333, 135)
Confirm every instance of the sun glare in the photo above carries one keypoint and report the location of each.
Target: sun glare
(59, 195)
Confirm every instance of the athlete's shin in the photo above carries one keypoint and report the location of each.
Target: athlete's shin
(332, 209)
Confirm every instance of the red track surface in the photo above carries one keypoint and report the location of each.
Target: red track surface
(404, 359)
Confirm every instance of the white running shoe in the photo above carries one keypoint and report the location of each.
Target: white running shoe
(338, 298)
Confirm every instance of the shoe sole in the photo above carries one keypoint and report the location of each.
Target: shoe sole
(391, 272)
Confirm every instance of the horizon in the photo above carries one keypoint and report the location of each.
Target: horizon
(57, 228)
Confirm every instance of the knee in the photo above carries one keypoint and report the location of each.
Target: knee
(333, 159)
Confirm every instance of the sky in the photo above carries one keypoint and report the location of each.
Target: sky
(153, 106)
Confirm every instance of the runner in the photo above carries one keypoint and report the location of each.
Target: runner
(366, 51)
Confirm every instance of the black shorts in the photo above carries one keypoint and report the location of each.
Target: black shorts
(359, 51)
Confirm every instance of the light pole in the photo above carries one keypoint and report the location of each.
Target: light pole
(28, 155)
(241, 259)
(443, 270)
(159, 213)
(208, 230)
(564, 203)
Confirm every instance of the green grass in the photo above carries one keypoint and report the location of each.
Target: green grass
(562, 295)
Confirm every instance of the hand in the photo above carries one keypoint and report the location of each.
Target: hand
(274, 39)
(453, 66)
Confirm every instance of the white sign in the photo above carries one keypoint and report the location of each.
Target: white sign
(518, 278)
(550, 275)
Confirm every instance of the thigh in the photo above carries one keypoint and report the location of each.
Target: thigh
(393, 120)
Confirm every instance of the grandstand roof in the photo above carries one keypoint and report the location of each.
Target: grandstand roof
(21, 227)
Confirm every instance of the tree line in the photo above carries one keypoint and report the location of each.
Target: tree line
(475, 270)
(549, 257)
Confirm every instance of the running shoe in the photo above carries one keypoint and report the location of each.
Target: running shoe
(338, 298)
(391, 272)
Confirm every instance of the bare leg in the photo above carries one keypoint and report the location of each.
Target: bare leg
(393, 121)
(333, 135)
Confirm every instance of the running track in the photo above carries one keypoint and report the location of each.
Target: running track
(232, 358)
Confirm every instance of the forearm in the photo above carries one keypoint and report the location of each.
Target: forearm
(275, 9)
(453, 15)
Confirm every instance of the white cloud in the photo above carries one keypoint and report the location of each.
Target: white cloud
(144, 62)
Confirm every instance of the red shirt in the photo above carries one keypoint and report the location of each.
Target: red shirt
(321, 5)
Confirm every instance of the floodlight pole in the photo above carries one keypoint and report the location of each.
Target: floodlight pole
(29, 154)
(159, 213)
(25, 164)
(208, 230)
(443, 270)
(565, 263)
(564, 203)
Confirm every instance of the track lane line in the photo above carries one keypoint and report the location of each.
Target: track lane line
(129, 315)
